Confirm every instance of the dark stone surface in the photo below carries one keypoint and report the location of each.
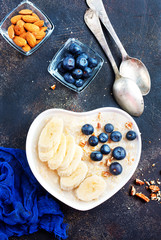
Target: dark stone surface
(25, 92)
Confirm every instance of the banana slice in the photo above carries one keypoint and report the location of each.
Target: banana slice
(58, 157)
(51, 135)
(70, 150)
(74, 163)
(91, 188)
(71, 182)
(45, 156)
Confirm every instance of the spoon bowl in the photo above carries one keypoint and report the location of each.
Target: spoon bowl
(128, 95)
(134, 69)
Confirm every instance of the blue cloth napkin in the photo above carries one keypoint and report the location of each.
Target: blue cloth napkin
(25, 207)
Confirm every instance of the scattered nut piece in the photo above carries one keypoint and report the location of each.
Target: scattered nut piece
(133, 191)
(147, 183)
(152, 182)
(105, 173)
(53, 86)
(154, 188)
(82, 143)
(129, 125)
(153, 196)
(153, 165)
(142, 196)
(139, 182)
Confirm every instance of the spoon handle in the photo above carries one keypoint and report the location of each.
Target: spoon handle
(92, 21)
(97, 5)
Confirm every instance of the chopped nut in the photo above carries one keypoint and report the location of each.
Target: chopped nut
(129, 125)
(99, 116)
(98, 125)
(153, 165)
(133, 191)
(105, 173)
(147, 183)
(152, 182)
(158, 182)
(153, 196)
(82, 143)
(142, 196)
(53, 86)
(108, 162)
(154, 188)
(139, 182)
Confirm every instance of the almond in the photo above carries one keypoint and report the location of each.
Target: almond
(23, 35)
(31, 27)
(21, 42)
(26, 48)
(20, 23)
(43, 29)
(37, 41)
(31, 39)
(39, 34)
(39, 23)
(29, 18)
(35, 15)
(25, 11)
(15, 19)
(19, 30)
(11, 33)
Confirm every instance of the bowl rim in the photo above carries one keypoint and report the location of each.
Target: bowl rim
(39, 44)
(59, 51)
(29, 150)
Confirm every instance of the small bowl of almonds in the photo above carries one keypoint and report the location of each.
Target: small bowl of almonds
(26, 28)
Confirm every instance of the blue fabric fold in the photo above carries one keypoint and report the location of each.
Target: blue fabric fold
(25, 207)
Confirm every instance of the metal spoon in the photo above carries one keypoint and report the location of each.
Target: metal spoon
(126, 91)
(130, 67)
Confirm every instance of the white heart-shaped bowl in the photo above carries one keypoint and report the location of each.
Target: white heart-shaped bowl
(49, 179)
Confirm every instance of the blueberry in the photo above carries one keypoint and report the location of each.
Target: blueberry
(84, 55)
(77, 73)
(69, 63)
(60, 68)
(81, 62)
(116, 136)
(96, 156)
(131, 135)
(87, 129)
(87, 72)
(93, 141)
(119, 153)
(68, 78)
(103, 137)
(115, 168)
(79, 83)
(109, 128)
(105, 149)
(75, 48)
(92, 62)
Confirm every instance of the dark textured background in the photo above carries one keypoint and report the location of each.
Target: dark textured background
(25, 92)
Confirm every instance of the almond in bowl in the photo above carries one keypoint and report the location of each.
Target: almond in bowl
(26, 17)
(30, 26)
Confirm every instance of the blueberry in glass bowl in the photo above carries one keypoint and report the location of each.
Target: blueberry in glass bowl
(79, 61)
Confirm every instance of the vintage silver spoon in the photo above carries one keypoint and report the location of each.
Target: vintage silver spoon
(130, 67)
(125, 90)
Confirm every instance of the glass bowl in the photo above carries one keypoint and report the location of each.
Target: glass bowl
(53, 70)
(6, 23)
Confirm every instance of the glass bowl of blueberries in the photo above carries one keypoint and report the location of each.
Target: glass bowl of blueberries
(75, 65)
